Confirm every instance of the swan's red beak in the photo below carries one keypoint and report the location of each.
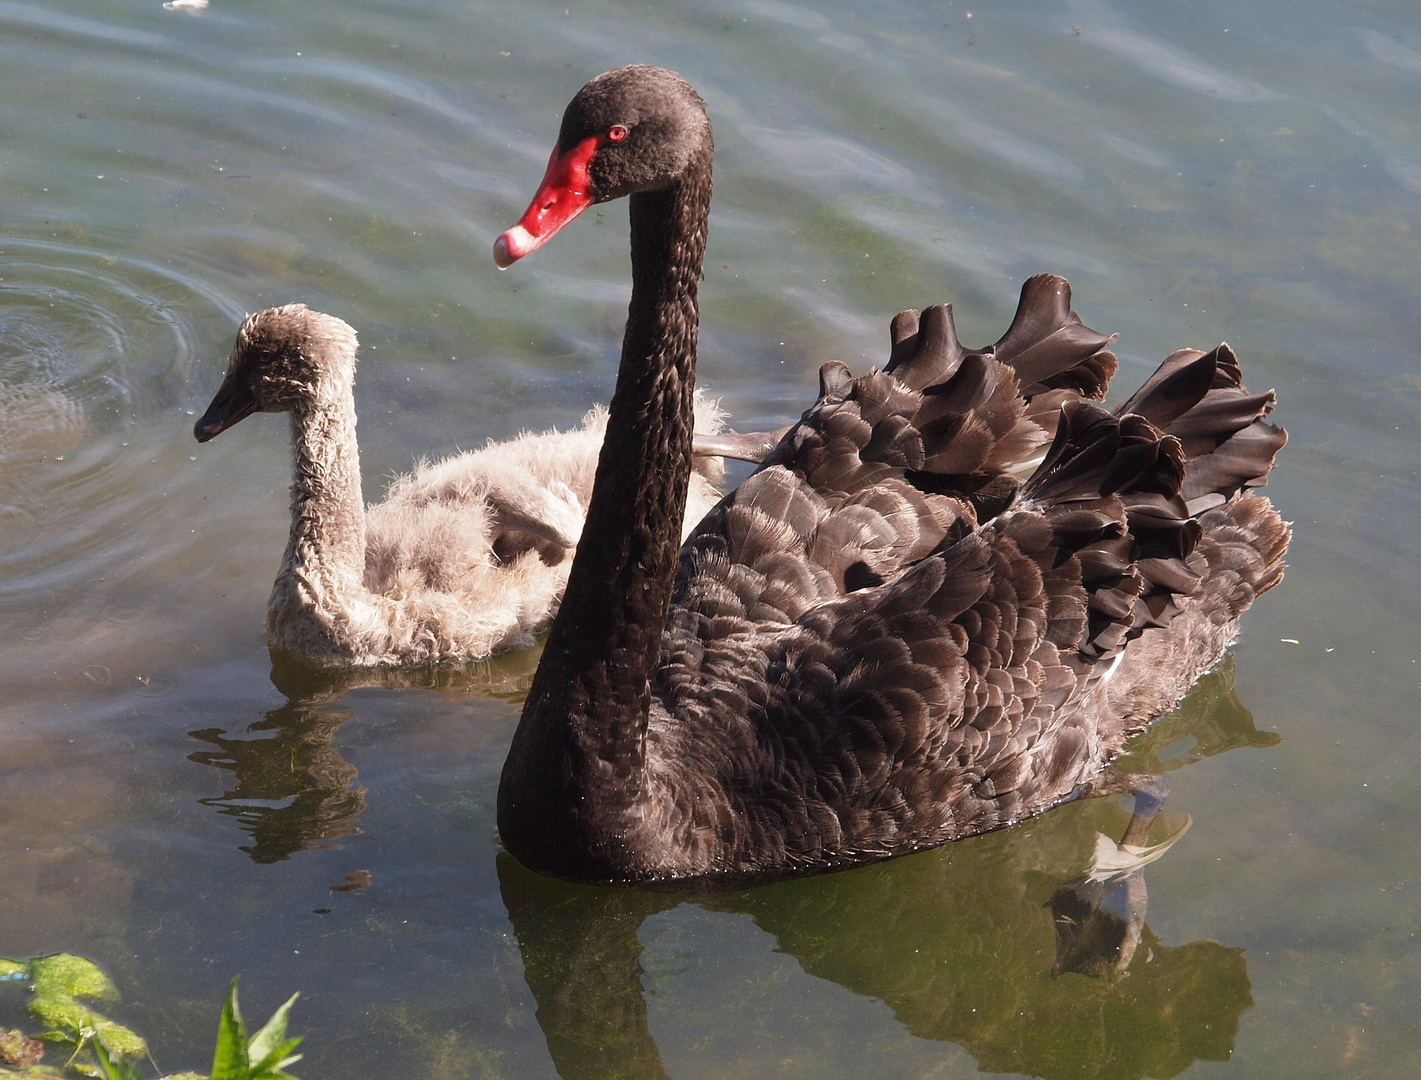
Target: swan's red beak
(563, 194)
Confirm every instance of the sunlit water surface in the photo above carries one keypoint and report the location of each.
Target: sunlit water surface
(177, 810)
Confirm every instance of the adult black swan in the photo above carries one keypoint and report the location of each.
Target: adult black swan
(951, 592)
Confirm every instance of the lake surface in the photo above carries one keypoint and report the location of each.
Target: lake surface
(180, 811)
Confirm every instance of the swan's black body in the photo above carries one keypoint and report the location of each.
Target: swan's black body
(940, 606)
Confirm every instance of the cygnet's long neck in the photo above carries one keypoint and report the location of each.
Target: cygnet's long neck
(574, 771)
(324, 565)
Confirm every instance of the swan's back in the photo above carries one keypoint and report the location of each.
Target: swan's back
(951, 593)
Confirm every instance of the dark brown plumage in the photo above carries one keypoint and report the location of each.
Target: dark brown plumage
(941, 605)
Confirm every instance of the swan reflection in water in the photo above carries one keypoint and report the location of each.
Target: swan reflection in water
(1017, 946)
(1020, 946)
(292, 790)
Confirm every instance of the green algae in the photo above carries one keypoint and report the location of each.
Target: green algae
(61, 984)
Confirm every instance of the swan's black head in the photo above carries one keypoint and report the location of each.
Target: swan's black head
(637, 128)
(285, 359)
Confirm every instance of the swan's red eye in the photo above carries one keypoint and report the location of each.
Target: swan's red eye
(617, 133)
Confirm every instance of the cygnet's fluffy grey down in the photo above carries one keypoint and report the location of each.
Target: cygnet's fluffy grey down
(466, 557)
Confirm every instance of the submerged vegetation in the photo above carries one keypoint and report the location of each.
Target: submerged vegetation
(61, 984)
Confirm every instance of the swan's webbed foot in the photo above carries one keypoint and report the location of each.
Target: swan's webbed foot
(1149, 790)
(1100, 917)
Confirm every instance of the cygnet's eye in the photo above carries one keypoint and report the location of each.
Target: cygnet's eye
(616, 133)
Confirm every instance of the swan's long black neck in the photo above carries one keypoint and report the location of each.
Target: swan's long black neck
(573, 777)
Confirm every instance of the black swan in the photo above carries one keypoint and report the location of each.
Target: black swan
(950, 593)
(466, 557)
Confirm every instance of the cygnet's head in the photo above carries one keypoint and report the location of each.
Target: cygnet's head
(285, 359)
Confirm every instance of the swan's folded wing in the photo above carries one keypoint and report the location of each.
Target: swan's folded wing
(894, 623)
(935, 705)
(886, 468)
(1047, 345)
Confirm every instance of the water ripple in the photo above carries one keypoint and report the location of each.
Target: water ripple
(91, 338)
(836, 161)
(1389, 51)
(1175, 66)
(387, 86)
(46, 18)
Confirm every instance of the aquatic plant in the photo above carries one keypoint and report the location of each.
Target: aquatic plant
(264, 1056)
(61, 983)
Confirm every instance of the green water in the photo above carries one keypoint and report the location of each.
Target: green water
(180, 812)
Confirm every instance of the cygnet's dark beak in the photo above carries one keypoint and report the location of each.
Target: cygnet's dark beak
(233, 402)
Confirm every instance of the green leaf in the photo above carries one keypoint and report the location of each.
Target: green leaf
(230, 1061)
(262, 1057)
(58, 981)
(263, 1047)
(114, 1069)
(271, 1067)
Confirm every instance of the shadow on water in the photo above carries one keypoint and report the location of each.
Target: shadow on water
(292, 790)
(1001, 944)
